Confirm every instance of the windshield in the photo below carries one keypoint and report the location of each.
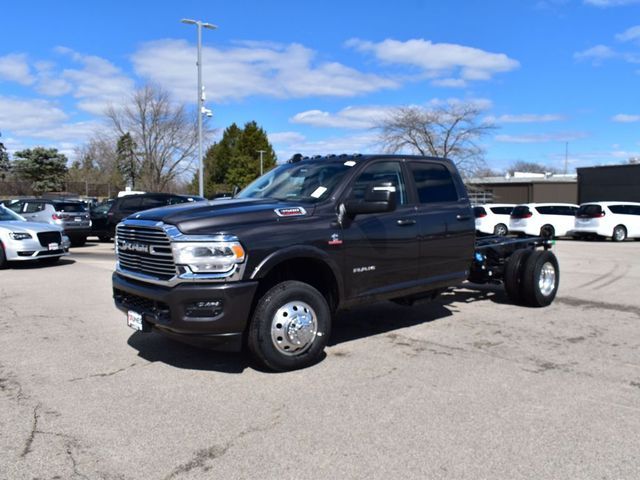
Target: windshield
(309, 181)
(7, 215)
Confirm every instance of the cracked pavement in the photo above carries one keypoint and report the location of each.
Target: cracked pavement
(465, 387)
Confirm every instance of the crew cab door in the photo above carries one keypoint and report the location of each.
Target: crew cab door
(446, 222)
(380, 249)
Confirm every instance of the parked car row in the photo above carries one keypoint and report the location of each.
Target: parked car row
(615, 220)
(21, 240)
(80, 220)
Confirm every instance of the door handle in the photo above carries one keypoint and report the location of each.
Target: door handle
(462, 218)
(404, 222)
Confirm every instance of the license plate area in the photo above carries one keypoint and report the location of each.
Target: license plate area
(137, 322)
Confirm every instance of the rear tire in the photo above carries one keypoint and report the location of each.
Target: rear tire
(619, 234)
(290, 327)
(513, 275)
(547, 231)
(500, 229)
(540, 279)
(104, 238)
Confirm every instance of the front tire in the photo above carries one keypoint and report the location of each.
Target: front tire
(619, 233)
(290, 327)
(540, 279)
(3, 258)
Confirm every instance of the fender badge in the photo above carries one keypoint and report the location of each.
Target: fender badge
(335, 239)
(290, 212)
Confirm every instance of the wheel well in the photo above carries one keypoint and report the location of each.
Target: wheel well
(620, 225)
(308, 270)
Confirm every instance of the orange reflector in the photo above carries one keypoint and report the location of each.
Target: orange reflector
(238, 251)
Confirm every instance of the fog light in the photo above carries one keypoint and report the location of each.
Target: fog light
(205, 308)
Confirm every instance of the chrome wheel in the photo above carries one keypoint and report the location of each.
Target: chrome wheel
(294, 328)
(619, 234)
(501, 230)
(547, 279)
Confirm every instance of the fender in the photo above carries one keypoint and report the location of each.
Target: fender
(298, 251)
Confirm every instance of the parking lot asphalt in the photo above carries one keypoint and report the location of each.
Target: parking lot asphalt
(465, 387)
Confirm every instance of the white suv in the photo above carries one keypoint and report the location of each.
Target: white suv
(493, 218)
(618, 220)
(544, 219)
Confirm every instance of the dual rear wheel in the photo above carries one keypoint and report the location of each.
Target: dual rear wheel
(531, 277)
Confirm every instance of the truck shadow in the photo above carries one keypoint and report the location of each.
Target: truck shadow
(354, 324)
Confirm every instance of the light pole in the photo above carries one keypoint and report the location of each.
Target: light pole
(261, 152)
(201, 109)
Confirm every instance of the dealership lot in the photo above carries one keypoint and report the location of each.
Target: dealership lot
(467, 386)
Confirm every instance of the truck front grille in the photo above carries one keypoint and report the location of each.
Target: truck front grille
(145, 250)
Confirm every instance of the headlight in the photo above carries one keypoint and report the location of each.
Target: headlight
(208, 257)
(19, 235)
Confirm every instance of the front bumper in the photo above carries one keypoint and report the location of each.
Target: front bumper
(207, 314)
(31, 249)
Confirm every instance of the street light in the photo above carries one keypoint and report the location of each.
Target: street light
(201, 109)
(261, 152)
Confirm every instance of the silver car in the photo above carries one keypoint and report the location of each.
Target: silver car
(28, 241)
(71, 215)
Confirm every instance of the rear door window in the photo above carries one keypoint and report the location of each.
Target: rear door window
(433, 182)
(501, 210)
(130, 204)
(154, 202)
(34, 207)
(547, 210)
(621, 209)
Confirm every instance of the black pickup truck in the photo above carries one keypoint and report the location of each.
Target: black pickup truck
(268, 268)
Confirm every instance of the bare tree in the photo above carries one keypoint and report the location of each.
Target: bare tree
(164, 134)
(451, 131)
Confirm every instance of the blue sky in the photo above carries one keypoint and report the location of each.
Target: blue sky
(317, 75)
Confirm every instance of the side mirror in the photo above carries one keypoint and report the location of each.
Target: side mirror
(379, 198)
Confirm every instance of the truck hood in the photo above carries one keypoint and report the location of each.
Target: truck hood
(217, 216)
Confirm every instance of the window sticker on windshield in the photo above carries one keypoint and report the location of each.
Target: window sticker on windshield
(349, 163)
(317, 193)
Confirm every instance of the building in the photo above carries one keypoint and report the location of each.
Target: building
(523, 187)
(613, 182)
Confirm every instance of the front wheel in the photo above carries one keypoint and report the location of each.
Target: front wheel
(290, 327)
(3, 258)
(619, 234)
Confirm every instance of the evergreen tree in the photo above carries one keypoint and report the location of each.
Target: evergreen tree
(5, 164)
(235, 160)
(45, 168)
(126, 159)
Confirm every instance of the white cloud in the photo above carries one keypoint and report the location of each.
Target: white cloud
(14, 67)
(625, 118)
(629, 34)
(49, 82)
(18, 115)
(541, 137)
(350, 117)
(527, 118)
(286, 137)
(281, 71)
(333, 145)
(97, 84)
(446, 64)
(610, 3)
(596, 54)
